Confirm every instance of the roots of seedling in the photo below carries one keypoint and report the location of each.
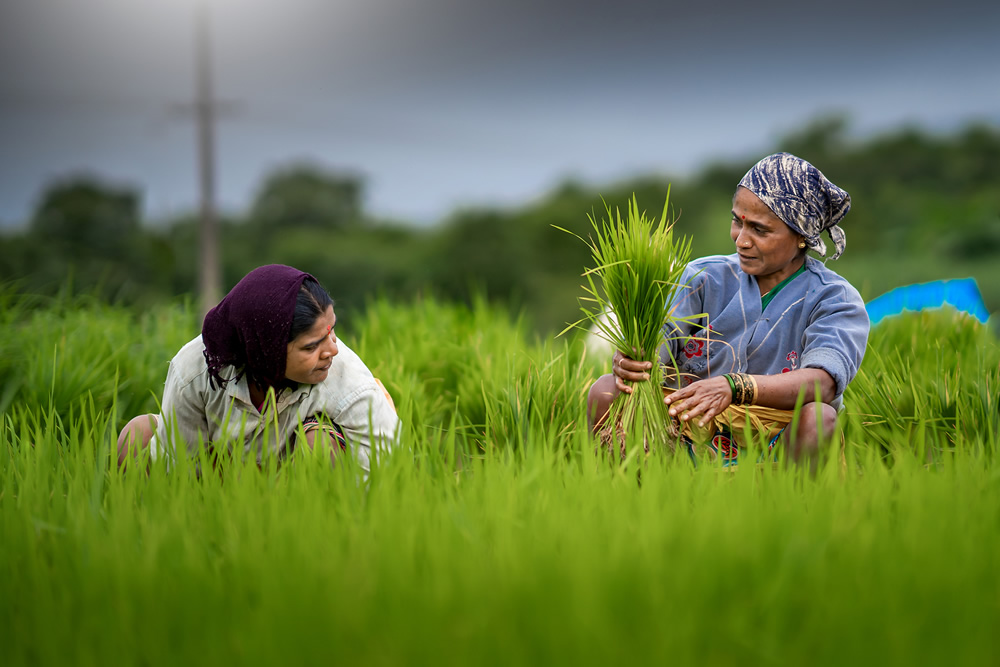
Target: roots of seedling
(613, 437)
(639, 417)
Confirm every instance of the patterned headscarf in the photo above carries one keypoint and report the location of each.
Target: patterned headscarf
(249, 328)
(802, 197)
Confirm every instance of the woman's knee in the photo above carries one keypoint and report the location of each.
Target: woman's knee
(135, 436)
(816, 424)
(599, 399)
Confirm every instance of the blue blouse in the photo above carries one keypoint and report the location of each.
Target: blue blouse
(818, 320)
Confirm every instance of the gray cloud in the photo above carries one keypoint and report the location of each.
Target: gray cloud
(446, 101)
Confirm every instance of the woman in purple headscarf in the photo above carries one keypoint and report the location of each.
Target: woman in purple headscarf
(781, 328)
(266, 367)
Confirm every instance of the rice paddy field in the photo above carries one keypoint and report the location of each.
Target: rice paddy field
(492, 535)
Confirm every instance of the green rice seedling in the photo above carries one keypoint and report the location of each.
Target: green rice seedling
(639, 262)
(525, 557)
(442, 356)
(527, 406)
(58, 353)
(523, 554)
(474, 372)
(934, 376)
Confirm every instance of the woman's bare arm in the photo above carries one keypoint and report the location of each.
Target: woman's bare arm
(709, 397)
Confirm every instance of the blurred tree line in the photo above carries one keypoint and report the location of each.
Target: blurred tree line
(927, 202)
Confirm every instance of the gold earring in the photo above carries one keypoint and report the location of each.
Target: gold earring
(802, 244)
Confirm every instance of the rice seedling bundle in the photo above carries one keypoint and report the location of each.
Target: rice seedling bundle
(639, 262)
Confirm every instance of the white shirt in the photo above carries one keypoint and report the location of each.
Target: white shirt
(350, 396)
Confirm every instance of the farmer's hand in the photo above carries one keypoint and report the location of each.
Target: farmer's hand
(704, 398)
(629, 370)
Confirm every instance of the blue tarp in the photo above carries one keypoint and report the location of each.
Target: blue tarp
(963, 294)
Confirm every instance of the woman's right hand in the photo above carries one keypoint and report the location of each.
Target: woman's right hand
(628, 370)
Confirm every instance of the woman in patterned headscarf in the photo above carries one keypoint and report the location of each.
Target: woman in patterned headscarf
(266, 367)
(781, 328)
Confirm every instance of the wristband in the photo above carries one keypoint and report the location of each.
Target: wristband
(732, 386)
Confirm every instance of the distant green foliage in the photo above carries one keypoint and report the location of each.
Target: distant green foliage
(306, 196)
(927, 199)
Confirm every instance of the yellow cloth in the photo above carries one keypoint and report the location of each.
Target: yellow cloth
(734, 419)
(768, 421)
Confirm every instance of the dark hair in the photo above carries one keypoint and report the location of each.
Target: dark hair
(311, 302)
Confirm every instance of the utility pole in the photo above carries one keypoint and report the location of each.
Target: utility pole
(209, 274)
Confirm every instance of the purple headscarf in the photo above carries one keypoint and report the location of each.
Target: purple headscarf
(249, 328)
(802, 197)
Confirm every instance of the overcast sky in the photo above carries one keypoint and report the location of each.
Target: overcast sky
(442, 103)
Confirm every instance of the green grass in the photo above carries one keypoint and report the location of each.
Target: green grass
(492, 535)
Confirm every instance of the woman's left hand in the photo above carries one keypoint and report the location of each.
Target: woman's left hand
(705, 398)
